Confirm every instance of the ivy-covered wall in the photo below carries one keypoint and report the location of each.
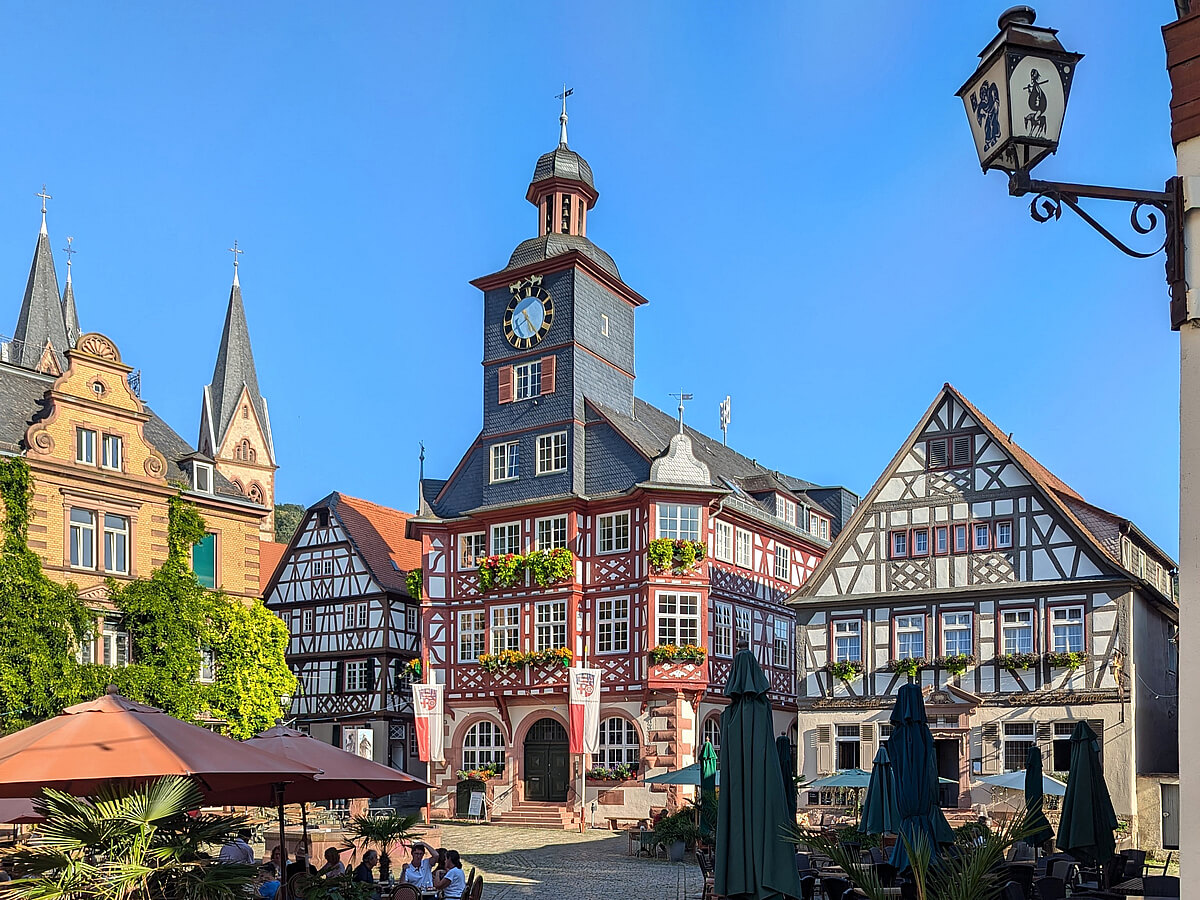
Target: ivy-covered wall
(169, 617)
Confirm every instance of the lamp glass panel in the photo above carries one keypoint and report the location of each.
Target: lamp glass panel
(1038, 101)
(986, 102)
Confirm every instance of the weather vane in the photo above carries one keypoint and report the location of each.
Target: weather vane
(682, 398)
(562, 132)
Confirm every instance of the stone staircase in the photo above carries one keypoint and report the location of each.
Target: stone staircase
(559, 816)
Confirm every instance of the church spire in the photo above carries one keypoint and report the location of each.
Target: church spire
(562, 119)
(41, 333)
(233, 373)
(70, 315)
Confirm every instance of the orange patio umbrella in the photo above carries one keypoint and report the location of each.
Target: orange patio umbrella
(17, 811)
(116, 739)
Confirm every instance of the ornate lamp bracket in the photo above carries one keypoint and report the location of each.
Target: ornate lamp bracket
(1148, 208)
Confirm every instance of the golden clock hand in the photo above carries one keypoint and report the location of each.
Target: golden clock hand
(528, 320)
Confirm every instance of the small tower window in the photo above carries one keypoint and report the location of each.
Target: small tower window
(566, 214)
(549, 213)
(245, 412)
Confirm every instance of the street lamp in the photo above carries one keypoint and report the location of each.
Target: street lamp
(1015, 102)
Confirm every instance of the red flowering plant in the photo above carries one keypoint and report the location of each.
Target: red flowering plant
(500, 570)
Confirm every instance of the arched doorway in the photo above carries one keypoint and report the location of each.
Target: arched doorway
(547, 762)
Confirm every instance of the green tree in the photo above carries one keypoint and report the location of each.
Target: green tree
(41, 621)
(287, 520)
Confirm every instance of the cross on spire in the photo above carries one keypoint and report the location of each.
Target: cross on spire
(562, 131)
(70, 251)
(236, 252)
(682, 398)
(45, 196)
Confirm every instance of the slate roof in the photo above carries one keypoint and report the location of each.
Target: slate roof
(378, 534)
(269, 555)
(550, 245)
(23, 402)
(41, 316)
(562, 162)
(70, 314)
(233, 371)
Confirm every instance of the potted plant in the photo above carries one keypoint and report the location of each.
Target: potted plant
(382, 832)
(1066, 660)
(955, 663)
(910, 666)
(847, 669)
(678, 556)
(1014, 661)
(676, 831)
(677, 653)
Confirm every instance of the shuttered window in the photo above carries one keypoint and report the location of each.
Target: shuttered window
(961, 449)
(936, 454)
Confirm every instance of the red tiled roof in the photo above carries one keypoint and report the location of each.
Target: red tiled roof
(378, 532)
(269, 555)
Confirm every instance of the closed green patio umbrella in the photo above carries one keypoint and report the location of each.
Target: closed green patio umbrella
(754, 858)
(879, 813)
(910, 749)
(708, 789)
(1038, 824)
(787, 768)
(1088, 823)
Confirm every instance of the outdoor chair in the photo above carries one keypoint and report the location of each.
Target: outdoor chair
(834, 888)
(646, 843)
(1050, 888)
(406, 892)
(1066, 869)
(877, 855)
(1160, 885)
(1135, 863)
(706, 871)
(470, 883)
(1023, 877)
(1012, 891)
(478, 891)
(808, 886)
(887, 874)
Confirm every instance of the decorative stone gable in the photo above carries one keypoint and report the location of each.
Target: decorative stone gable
(679, 465)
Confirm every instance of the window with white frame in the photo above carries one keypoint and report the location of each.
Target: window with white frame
(1067, 629)
(110, 452)
(471, 549)
(941, 540)
(781, 646)
(785, 509)
(899, 544)
(956, 634)
(619, 745)
(357, 676)
(306, 621)
(85, 446)
(506, 538)
(116, 544)
(1018, 738)
(847, 640)
(552, 453)
(910, 636)
(678, 619)
(483, 745)
(920, 542)
(550, 625)
(551, 533)
(712, 732)
(848, 747)
(783, 563)
(614, 532)
(1004, 535)
(744, 621)
(506, 461)
(357, 615)
(208, 666)
(722, 637)
(678, 522)
(982, 534)
(83, 538)
(743, 548)
(612, 625)
(824, 529)
(202, 477)
(527, 380)
(114, 642)
(960, 539)
(723, 541)
(411, 618)
(506, 628)
(1016, 630)
(472, 635)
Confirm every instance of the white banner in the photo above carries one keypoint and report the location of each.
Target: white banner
(585, 710)
(431, 730)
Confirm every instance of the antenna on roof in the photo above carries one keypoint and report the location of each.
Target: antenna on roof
(681, 397)
(725, 420)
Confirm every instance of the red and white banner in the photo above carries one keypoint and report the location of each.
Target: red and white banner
(585, 710)
(431, 730)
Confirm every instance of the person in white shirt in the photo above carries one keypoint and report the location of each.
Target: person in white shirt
(333, 864)
(454, 882)
(238, 850)
(419, 871)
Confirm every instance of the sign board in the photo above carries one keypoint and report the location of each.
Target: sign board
(475, 809)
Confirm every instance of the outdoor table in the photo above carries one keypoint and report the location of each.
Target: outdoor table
(1131, 888)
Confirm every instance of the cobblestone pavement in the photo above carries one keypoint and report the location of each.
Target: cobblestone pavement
(544, 864)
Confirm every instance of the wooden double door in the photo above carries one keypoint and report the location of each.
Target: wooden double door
(547, 762)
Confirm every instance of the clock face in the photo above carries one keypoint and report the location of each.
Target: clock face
(529, 315)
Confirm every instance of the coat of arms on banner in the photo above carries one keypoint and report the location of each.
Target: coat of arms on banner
(586, 683)
(427, 698)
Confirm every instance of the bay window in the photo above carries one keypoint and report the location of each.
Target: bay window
(678, 522)
(679, 619)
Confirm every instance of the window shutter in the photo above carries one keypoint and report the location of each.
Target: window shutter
(339, 673)
(548, 374)
(991, 748)
(937, 454)
(505, 374)
(824, 750)
(866, 740)
(962, 449)
(371, 667)
(1098, 727)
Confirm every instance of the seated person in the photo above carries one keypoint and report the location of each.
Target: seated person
(419, 870)
(333, 864)
(268, 885)
(299, 870)
(454, 882)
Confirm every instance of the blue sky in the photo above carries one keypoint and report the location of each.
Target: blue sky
(792, 185)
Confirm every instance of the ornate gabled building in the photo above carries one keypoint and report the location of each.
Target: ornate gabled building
(235, 429)
(341, 589)
(104, 465)
(1020, 607)
(675, 542)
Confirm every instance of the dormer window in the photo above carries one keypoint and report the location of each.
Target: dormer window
(785, 509)
(202, 477)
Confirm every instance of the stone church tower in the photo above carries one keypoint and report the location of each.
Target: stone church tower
(235, 429)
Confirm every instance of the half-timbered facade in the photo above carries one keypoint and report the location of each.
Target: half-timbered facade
(672, 540)
(1021, 607)
(340, 588)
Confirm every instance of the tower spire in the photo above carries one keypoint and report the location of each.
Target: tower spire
(40, 337)
(562, 119)
(42, 193)
(236, 252)
(70, 314)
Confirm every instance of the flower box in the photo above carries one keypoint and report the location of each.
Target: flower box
(680, 557)
(673, 674)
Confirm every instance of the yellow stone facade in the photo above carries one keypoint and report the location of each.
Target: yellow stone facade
(132, 480)
(243, 458)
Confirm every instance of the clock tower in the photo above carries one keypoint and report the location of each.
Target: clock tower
(558, 326)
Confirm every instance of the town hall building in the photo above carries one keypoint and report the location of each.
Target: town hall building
(584, 523)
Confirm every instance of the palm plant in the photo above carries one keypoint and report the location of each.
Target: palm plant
(971, 869)
(135, 843)
(382, 832)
